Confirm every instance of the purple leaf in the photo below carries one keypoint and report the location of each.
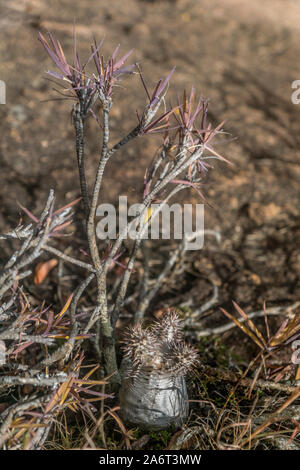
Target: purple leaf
(56, 75)
(122, 60)
(115, 52)
(165, 82)
(32, 217)
(94, 52)
(61, 66)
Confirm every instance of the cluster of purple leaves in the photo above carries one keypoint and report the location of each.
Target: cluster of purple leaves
(108, 73)
(86, 88)
(186, 113)
(55, 226)
(147, 125)
(186, 131)
(189, 132)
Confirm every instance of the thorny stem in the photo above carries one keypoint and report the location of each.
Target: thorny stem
(68, 258)
(65, 350)
(134, 133)
(178, 168)
(127, 274)
(14, 410)
(79, 120)
(138, 241)
(9, 275)
(95, 196)
(162, 182)
(41, 381)
(106, 332)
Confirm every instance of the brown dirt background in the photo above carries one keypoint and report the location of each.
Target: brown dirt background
(242, 55)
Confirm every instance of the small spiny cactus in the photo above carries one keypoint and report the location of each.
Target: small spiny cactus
(156, 360)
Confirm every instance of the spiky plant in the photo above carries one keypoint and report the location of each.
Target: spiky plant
(156, 360)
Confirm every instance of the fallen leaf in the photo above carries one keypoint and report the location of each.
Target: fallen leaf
(42, 270)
